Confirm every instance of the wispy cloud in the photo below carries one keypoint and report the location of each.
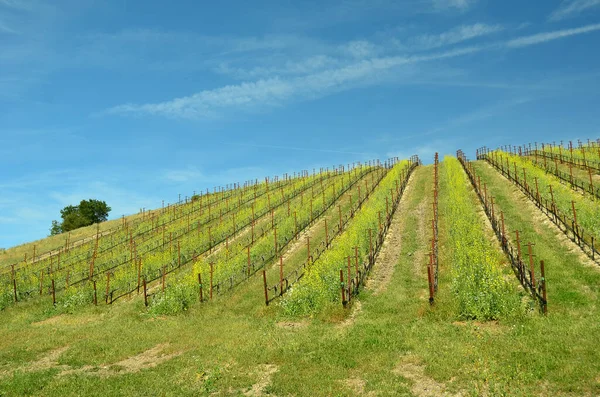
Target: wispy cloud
(288, 68)
(207, 103)
(452, 36)
(570, 8)
(17, 5)
(453, 4)
(321, 76)
(549, 36)
(273, 92)
(6, 29)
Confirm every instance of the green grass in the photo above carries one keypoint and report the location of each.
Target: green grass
(225, 343)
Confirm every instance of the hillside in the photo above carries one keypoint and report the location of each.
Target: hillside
(388, 278)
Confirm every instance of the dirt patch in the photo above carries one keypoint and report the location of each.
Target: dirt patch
(300, 242)
(265, 374)
(385, 264)
(422, 233)
(292, 325)
(357, 386)
(66, 319)
(478, 327)
(50, 320)
(422, 385)
(354, 312)
(48, 361)
(147, 359)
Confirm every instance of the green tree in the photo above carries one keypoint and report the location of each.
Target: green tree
(95, 211)
(86, 213)
(56, 228)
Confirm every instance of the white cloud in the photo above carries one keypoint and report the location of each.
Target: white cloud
(207, 103)
(359, 49)
(319, 76)
(273, 92)
(288, 68)
(548, 36)
(453, 36)
(571, 8)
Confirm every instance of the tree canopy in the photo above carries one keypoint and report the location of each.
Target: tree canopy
(86, 213)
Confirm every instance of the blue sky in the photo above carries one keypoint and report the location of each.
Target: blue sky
(133, 102)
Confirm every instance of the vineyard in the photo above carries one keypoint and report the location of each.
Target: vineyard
(440, 276)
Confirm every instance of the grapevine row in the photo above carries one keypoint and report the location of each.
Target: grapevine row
(525, 274)
(319, 284)
(235, 264)
(433, 266)
(581, 222)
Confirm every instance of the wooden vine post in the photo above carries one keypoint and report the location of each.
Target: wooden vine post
(95, 294)
(107, 287)
(211, 279)
(370, 246)
(531, 268)
(349, 281)
(145, 293)
(200, 286)
(248, 249)
(503, 229)
(519, 255)
(343, 287)
(543, 280)
(280, 275)
(264, 272)
(14, 281)
(53, 293)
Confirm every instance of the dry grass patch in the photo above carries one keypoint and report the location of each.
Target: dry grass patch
(422, 385)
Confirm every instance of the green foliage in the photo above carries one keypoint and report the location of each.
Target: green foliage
(94, 211)
(86, 213)
(477, 280)
(72, 298)
(56, 228)
(321, 285)
(6, 298)
(175, 299)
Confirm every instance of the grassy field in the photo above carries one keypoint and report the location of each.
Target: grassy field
(389, 342)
